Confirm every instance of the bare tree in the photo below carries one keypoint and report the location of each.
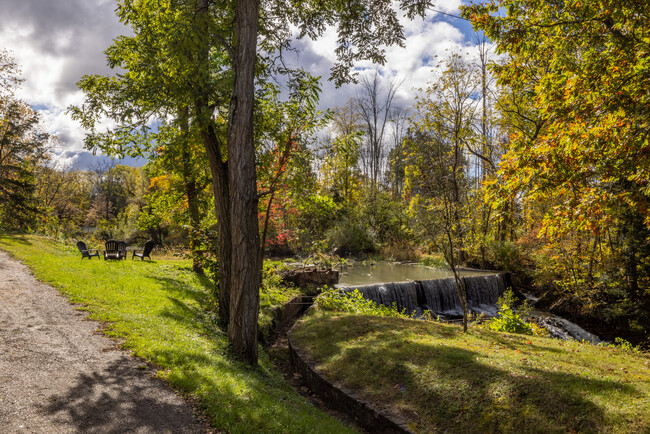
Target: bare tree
(485, 151)
(396, 162)
(374, 105)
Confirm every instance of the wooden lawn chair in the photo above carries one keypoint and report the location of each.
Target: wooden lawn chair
(86, 252)
(144, 253)
(121, 247)
(112, 250)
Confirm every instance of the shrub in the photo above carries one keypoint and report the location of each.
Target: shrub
(349, 238)
(510, 320)
(337, 300)
(626, 346)
(505, 255)
(436, 261)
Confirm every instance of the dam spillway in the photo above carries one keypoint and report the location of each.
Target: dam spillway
(439, 296)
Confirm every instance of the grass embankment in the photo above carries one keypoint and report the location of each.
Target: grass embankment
(482, 381)
(157, 311)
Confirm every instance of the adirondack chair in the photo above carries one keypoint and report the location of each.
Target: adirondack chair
(144, 253)
(121, 247)
(112, 250)
(86, 252)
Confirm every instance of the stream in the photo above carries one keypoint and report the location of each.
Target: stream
(417, 288)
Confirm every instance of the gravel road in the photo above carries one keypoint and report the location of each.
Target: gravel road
(58, 373)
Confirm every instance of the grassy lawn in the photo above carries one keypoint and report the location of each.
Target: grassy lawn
(156, 310)
(482, 381)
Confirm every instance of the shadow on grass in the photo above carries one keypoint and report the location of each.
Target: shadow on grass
(177, 286)
(459, 390)
(190, 314)
(121, 398)
(17, 238)
(193, 317)
(238, 397)
(241, 398)
(514, 342)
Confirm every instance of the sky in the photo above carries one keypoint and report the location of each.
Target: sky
(56, 42)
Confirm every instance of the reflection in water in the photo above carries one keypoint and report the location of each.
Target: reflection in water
(365, 274)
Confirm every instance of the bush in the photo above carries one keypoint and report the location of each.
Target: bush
(626, 346)
(349, 238)
(505, 255)
(434, 261)
(386, 219)
(337, 300)
(510, 320)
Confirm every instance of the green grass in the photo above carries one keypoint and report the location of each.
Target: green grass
(156, 309)
(484, 381)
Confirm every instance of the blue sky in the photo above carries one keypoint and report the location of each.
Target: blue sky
(56, 42)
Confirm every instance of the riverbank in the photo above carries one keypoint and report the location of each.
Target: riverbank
(440, 379)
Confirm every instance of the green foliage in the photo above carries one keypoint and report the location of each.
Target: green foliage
(273, 295)
(316, 213)
(574, 80)
(385, 217)
(509, 319)
(22, 150)
(505, 255)
(338, 300)
(349, 237)
(435, 261)
(274, 291)
(624, 345)
(339, 171)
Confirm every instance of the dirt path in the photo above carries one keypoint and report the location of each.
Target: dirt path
(58, 373)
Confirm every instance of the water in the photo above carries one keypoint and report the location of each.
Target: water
(423, 288)
(438, 296)
(382, 272)
(561, 328)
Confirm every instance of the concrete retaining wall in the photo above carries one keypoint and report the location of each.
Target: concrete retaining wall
(343, 400)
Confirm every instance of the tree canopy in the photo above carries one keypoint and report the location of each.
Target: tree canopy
(22, 148)
(575, 77)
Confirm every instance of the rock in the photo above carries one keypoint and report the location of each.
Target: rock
(312, 277)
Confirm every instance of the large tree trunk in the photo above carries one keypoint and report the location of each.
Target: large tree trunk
(219, 171)
(246, 265)
(218, 168)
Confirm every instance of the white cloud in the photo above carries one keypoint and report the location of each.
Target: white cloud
(56, 42)
(449, 6)
(428, 41)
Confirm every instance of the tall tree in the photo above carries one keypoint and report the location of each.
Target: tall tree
(340, 165)
(434, 174)
(22, 149)
(287, 127)
(437, 163)
(374, 104)
(189, 52)
(582, 160)
(399, 131)
(592, 95)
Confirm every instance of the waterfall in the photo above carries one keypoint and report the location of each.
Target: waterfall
(441, 299)
(439, 296)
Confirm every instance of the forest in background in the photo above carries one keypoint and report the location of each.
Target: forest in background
(530, 155)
